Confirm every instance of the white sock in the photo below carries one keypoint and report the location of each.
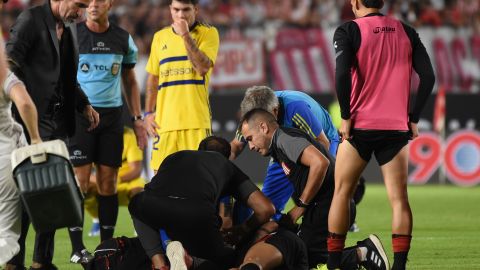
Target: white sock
(363, 254)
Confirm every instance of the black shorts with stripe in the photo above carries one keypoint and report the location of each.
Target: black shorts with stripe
(103, 145)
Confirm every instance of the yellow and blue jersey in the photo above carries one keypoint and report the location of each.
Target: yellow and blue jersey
(182, 98)
(131, 152)
(301, 111)
(102, 56)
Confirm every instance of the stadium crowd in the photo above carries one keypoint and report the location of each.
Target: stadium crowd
(142, 18)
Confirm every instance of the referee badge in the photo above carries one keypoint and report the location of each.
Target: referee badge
(115, 68)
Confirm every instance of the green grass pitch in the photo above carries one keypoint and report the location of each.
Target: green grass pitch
(446, 231)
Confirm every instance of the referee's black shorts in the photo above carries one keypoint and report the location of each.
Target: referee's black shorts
(103, 145)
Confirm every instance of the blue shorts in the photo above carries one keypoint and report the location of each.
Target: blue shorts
(333, 148)
(276, 187)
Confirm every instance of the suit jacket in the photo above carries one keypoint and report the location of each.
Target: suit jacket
(34, 54)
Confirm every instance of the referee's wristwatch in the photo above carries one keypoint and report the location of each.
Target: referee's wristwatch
(136, 117)
(300, 203)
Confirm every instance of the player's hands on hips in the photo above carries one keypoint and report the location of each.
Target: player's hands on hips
(345, 127)
(150, 125)
(181, 27)
(140, 133)
(92, 116)
(413, 129)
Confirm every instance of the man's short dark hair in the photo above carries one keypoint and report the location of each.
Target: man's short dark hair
(193, 2)
(373, 3)
(258, 113)
(216, 144)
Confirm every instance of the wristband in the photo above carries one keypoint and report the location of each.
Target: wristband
(300, 203)
(147, 113)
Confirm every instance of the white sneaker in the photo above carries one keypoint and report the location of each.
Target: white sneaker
(376, 258)
(176, 256)
(9, 248)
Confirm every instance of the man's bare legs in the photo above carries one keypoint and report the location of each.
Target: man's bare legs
(348, 168)
(395, 175)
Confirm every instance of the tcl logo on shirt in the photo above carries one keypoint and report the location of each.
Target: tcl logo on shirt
(286, 169)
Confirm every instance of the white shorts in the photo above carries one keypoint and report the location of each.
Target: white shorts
(10, 213)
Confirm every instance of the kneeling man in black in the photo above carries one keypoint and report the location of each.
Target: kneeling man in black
(182, 199)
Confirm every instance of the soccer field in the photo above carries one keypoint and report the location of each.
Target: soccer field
(446, 227)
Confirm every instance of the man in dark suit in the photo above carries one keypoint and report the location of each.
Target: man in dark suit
(43, 52)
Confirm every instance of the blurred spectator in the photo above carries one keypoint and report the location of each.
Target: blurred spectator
(265, 17)
(326, 13)
(452, 14)
(255, 12)
(217, 13)
(470, 10)
(297, 12)
(476, 24)
(428, 14)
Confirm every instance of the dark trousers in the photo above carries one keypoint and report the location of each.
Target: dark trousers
(43, 249)
(193, 222)
(314, 232)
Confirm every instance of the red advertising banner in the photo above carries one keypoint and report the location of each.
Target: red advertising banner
(239, 63)
(304, 59)
(454, 57)
(459, 154)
